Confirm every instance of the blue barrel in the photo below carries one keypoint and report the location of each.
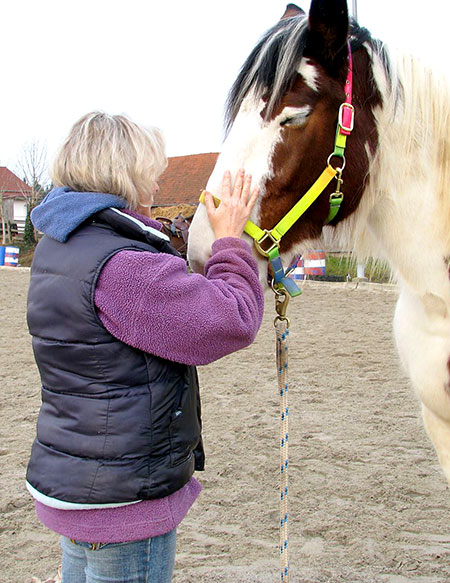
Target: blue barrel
(2, 255)
(11, 256)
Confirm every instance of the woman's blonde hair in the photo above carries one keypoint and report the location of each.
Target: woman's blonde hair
(111, 154)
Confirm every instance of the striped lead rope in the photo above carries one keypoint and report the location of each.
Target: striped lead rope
(282, 334)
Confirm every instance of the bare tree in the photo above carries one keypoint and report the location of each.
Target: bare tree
(32, 167)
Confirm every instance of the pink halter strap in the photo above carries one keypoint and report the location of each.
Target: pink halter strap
(347, 111)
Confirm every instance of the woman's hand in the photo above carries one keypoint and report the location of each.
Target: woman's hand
(230, 217)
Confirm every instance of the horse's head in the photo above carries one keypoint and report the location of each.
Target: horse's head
(281, 118)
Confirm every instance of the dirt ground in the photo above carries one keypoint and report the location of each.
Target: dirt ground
(368, 501)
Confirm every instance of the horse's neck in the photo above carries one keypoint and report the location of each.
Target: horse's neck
(404, 216)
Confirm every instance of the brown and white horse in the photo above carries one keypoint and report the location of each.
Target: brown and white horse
(282, 115)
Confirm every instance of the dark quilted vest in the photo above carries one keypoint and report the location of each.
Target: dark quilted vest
(116, 424)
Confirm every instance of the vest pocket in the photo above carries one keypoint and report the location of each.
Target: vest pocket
(185, 425)
(180, 449)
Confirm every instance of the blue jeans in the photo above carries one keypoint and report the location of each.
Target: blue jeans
(144, 561)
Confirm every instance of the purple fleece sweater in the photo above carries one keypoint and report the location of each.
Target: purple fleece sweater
(149, 301)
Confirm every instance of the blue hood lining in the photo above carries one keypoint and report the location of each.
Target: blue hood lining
(64, 210)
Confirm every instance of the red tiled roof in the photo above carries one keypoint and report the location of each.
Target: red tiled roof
(11, 186)
(184, 178)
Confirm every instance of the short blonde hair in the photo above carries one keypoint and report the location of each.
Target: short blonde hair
(111, 154)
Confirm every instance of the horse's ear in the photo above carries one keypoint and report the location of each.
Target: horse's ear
(292, 10)
(328, 32)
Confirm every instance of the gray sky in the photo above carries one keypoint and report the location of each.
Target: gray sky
(168, 64)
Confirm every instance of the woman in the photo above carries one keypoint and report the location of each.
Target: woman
(118, 326)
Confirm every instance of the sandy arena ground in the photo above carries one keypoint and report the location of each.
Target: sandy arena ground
(368, 501)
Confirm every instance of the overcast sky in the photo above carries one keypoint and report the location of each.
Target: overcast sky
(168, 64)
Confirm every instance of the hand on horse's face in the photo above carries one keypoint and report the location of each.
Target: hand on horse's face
(230, 217)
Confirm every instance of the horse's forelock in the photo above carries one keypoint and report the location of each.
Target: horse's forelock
(272, 65)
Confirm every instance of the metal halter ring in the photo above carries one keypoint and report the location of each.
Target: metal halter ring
(333, 155)
(275, 290)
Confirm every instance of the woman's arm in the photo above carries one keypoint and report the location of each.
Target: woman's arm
(149, 301)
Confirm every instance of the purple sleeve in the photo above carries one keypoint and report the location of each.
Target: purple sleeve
(149, 301)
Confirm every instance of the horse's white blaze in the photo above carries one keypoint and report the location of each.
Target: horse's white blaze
(309, 74)
(249, 145)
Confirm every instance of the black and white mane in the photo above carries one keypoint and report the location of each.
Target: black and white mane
(273, 64)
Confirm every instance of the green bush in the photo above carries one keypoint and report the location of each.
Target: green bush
(29, 239)
(343, 265)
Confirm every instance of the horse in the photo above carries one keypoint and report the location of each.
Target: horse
(282, 116)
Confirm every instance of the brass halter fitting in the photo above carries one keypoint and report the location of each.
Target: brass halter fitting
(269, 238)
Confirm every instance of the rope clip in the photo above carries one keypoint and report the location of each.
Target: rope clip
(281, 304)
(340, 181)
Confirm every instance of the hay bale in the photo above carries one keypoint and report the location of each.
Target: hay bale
(170, 212)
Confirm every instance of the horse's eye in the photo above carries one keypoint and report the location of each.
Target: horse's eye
(296, 119)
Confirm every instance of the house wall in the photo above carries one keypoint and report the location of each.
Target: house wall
(20, 214)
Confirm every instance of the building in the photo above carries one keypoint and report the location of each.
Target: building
(184, 178)
(14, 195)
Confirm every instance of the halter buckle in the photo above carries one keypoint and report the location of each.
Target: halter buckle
(346, 117)
(275, 243)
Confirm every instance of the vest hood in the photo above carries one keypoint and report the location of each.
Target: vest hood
(63, 210)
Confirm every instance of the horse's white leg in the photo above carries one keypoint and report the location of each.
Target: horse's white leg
(422, 333)
(438, 429)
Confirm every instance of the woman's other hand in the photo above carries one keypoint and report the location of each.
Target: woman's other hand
(230, 217)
